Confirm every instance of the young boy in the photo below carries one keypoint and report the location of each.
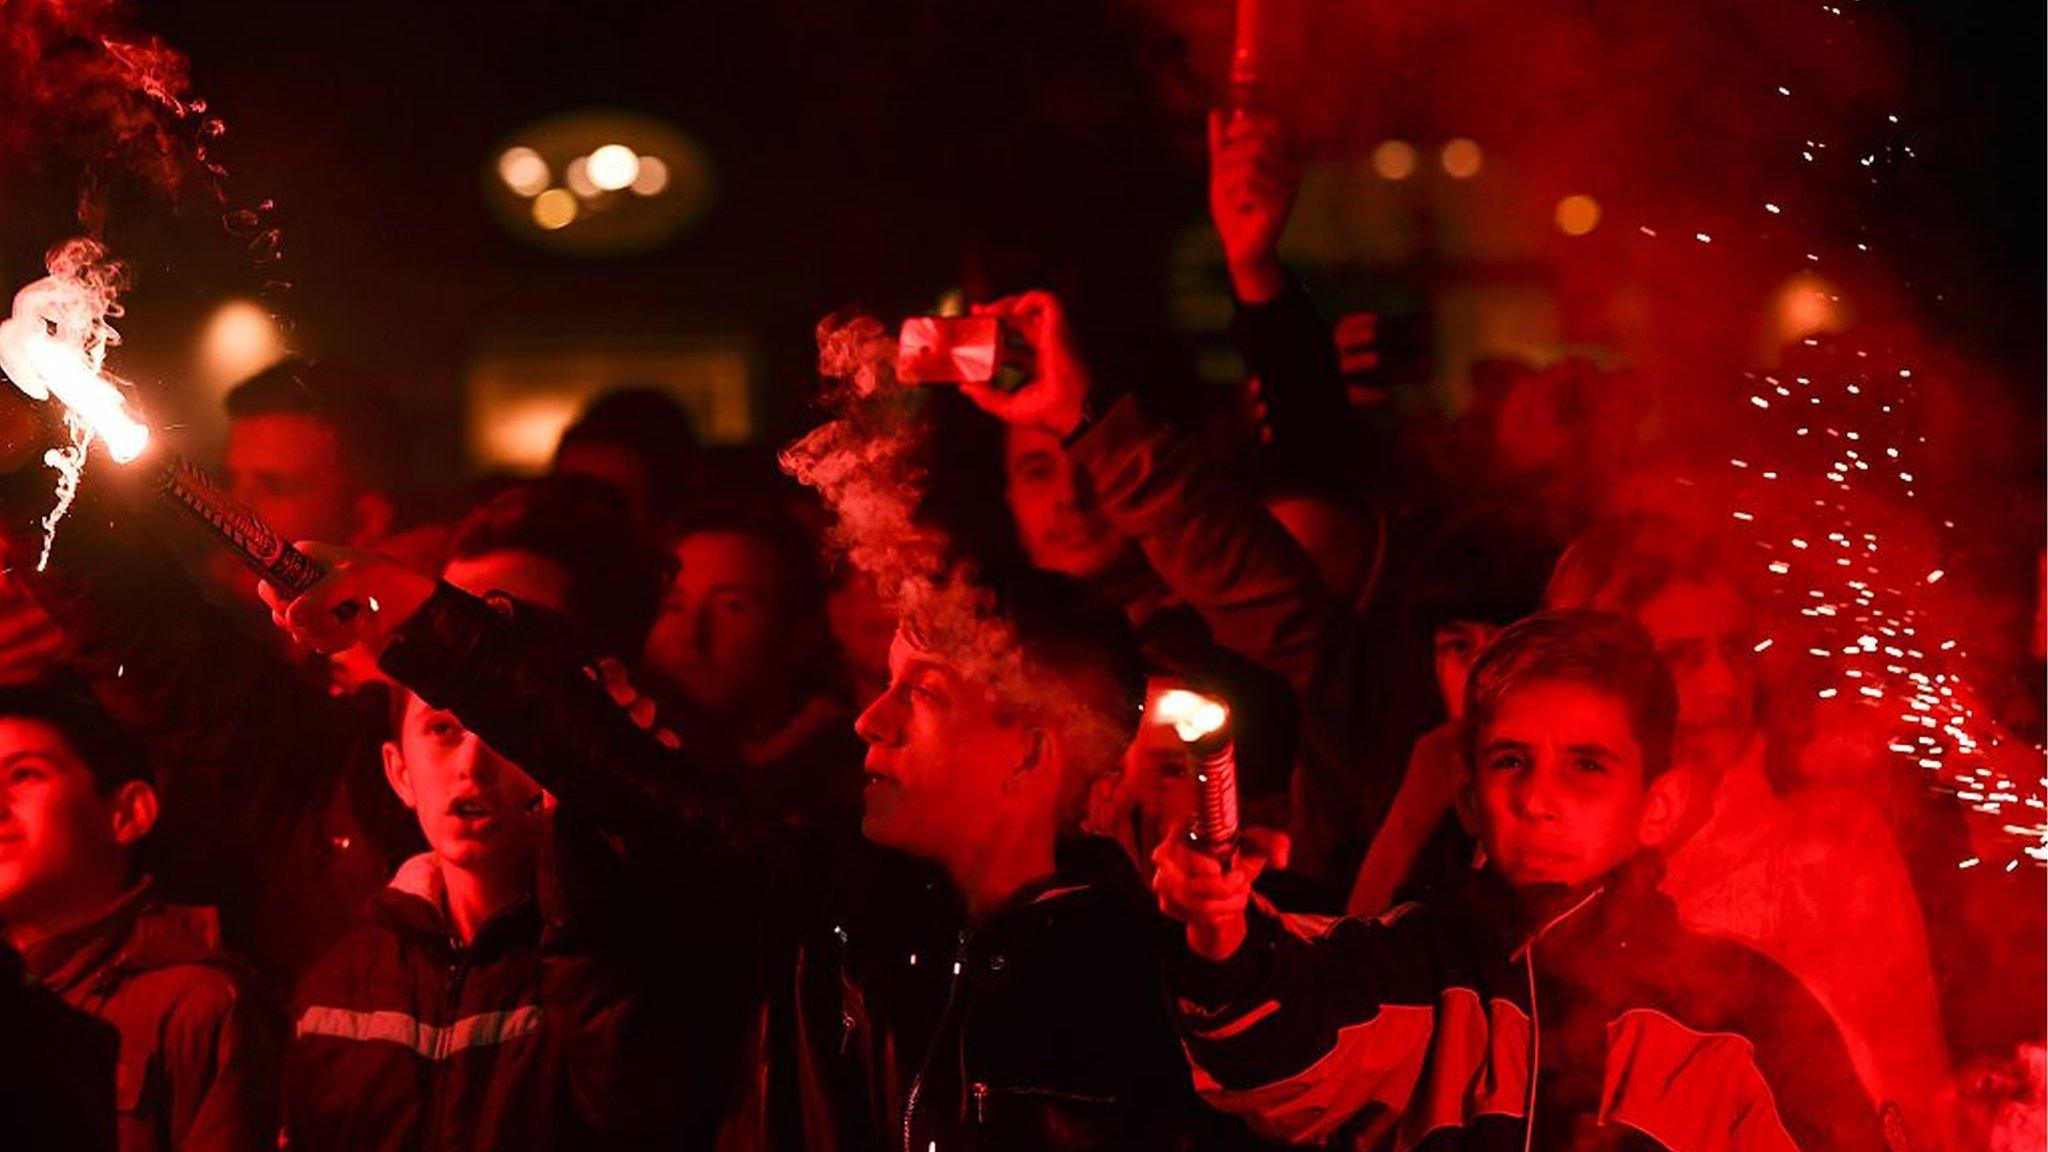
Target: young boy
(1554, 1001)
(198, 1056)
(468, 1011)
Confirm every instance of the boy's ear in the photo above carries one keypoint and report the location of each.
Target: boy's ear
(133, 806)
(1465, 798)
(1041, 750)
(395, 773)
(1663, 804)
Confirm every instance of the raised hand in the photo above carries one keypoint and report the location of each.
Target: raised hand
(385, 594)
(1055, 396)
(1252, 185)
(1197, 890)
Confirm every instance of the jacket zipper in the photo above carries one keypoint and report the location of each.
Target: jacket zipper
(938, 1035)
(1528, 954)
(1535, 1050)
(458, 975)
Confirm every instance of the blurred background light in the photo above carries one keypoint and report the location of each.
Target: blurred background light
(1578, 215)
(554, 208)
(523, 171)
(652, 176)
(1394, 159)
(239, 340)
(1462, 158)
(577, 177)
(613, 167)
(594, 156)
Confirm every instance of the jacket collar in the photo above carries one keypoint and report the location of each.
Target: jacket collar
(136, 932)
(1620, 900)
(1083, 866)
(416, 904)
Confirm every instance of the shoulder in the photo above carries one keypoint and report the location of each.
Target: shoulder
(364, 957)
(179, 978)
(1721, 983)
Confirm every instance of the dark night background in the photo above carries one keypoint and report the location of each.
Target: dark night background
(859, 147)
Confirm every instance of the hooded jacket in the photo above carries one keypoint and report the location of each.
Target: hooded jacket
(198, 1052)
(405, 1037)
(1565, 1020)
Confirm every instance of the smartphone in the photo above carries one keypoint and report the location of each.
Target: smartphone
(962, 350)
(948, 349)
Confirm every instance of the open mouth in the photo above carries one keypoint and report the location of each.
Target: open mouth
(469, 809)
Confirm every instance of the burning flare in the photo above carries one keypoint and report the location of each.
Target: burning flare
(1193, 716)
(55, 344)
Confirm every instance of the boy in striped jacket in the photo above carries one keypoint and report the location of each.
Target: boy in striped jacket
(1553, 1001)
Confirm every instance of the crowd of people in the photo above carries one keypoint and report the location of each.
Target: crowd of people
(625, 807)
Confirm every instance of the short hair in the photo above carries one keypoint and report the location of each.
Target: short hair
(1623, 563)
(1072, 640)
(1608, 653)
(105, 748)
(652, 427)
(372, 440)
(806, 584)
(1488, 568)
(584, 527)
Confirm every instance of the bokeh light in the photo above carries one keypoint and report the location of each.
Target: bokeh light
(1577, 215)
(523, 171)
(577, 177)
(652, 177)
(1462, 158)
(554, 209)
(613, 167)
(1394, 159)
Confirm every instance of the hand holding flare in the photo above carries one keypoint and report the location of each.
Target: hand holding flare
(360, 598)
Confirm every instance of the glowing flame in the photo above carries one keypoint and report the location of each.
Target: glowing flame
(1192, 715)
(53, 345)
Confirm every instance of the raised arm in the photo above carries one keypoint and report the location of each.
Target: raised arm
(1286, 345)
(1211, 542)
(514, 676)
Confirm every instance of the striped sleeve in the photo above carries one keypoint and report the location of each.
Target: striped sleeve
(1317, 1026)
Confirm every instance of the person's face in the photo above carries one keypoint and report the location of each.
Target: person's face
(1457, 645)
(62, 844)
(1556, 787)
(723, 639)
(1062, 529)
(1705, 634)
(943, 769)
(478, 811)
(288, 470)
(612, 466)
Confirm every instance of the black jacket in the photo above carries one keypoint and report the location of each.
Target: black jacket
(405, 1038)
(1051, 1034)
(909, 1025)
